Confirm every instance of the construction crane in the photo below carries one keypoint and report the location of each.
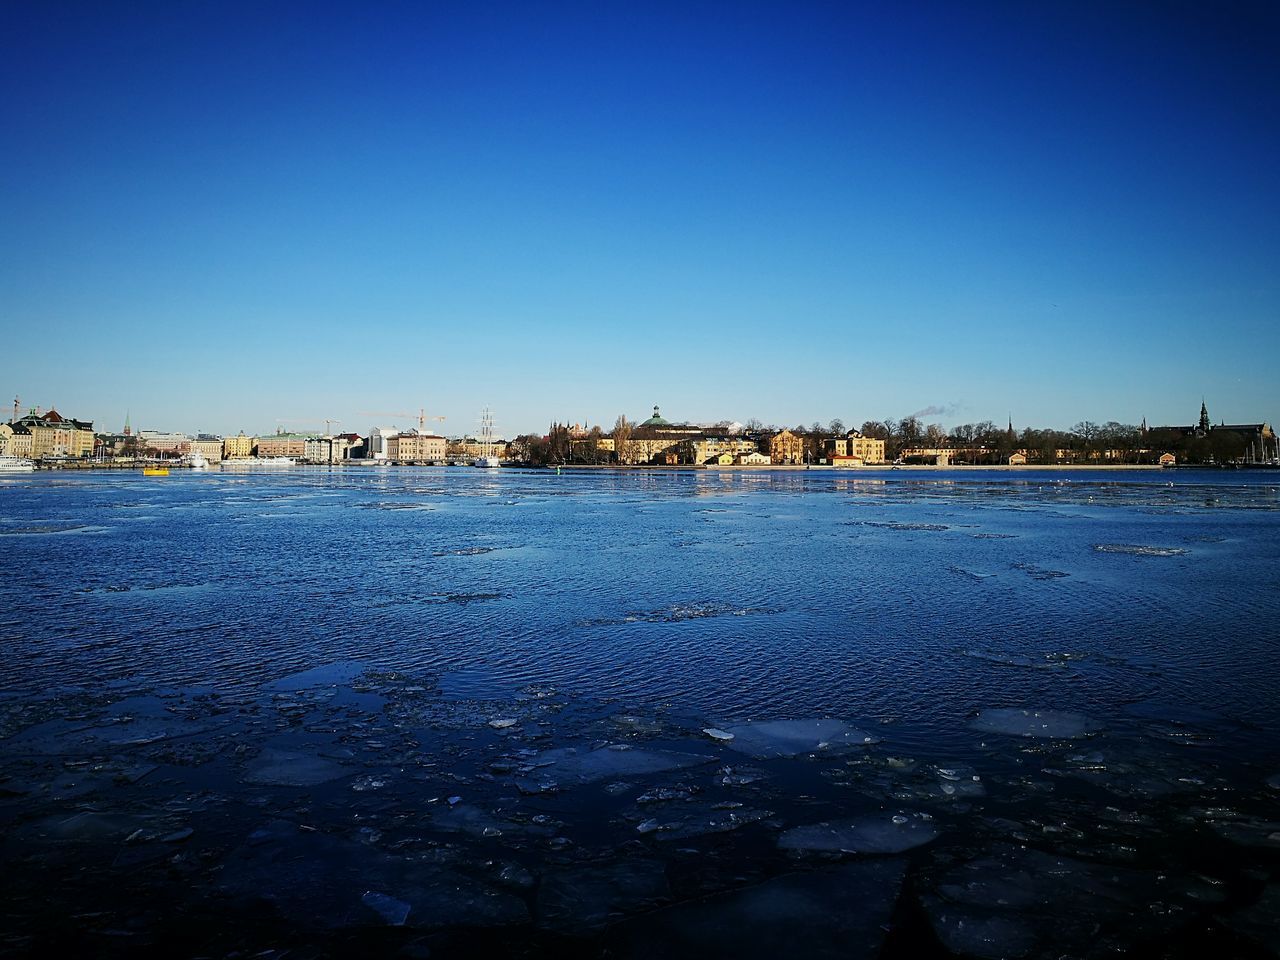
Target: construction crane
(422, 416)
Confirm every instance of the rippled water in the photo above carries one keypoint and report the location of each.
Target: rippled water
(914, 606)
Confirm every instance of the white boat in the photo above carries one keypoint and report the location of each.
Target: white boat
(276, 462)
(197, 461)
(486, 458)
(16, 465)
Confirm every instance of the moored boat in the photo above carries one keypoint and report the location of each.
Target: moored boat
(16, 465)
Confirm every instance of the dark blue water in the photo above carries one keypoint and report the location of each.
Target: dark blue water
(275, 676)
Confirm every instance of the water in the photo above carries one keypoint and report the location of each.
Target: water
(426, 709)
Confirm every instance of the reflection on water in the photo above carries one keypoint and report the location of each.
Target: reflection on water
(641, 714)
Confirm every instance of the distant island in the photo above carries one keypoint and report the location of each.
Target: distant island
(52, 439)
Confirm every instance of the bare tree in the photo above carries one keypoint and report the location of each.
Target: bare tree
(622, 438)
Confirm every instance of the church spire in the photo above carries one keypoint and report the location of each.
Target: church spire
(127, 429)
(1204, 417)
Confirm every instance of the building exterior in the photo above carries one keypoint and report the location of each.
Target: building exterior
(1018, 458)
(708, 447)
(753, 459)
(844, 460)
(19, 444)
(238, 447)
(854, 444)
(376, 448)
(53, 435)
(414, 447)
(208, 446)
(786, 447)
(163, 442)
(293, 445)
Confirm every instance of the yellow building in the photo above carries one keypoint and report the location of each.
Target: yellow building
(53, 435)
(786, 447)
(854, 444)
(414, 447)
(19, 442)
(708, 448)
(237, 448)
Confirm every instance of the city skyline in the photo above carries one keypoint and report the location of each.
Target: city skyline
(251, 217)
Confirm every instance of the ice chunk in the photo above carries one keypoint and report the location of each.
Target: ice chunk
(285, 768)
(583, 900)
(843, 912)
(716, 734)
(394, 911)
(1138, 550)
(880, 833)
(787, 738)
(329, 675)
(1055, 724)
(973, 933)
(575, 765)
(502, 724)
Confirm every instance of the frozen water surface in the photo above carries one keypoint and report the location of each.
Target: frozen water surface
(455, 713)
(1033, 723)
(882, 833)
(787, 738)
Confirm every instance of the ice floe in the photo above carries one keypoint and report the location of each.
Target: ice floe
(877, 833)
(788, 738)
(1056, 724)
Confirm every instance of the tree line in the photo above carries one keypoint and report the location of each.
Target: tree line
(982, 442)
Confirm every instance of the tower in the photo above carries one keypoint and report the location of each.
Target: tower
(1204, 417)
(128, 430)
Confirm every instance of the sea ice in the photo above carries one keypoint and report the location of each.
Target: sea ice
(1139, 550)
(583, 900)
(787, 738)
(612, 761)
(394, 911)
(879, 833)
(286, 768)
(1056, 724)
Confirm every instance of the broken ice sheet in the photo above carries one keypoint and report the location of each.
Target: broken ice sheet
(570, 765)
(1055, 724)
(877, 833)
(787, 738)
(583, 900)
(316, 880)
(836, 913)
(288, 768)
(1002, 904)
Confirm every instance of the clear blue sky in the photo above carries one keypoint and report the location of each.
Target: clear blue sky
(221, 216)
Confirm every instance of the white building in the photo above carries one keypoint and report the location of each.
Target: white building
(378, 437)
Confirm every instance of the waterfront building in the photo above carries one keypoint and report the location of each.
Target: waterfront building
(376, 448)
(411, 446)
(753, 459)
(854, 444)
(656, 440)
(786, 447)
(238, 447)
(19, 444)
(163, 442)
(709, 447)
(208, 446)
(53, 435)
(292, 445)
(1018, 458)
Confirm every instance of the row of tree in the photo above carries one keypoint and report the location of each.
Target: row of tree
(982, 442)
